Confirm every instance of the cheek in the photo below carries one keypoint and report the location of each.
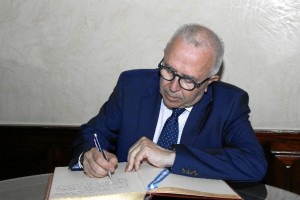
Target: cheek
(163, 84)
(185, 95)
(190, 97)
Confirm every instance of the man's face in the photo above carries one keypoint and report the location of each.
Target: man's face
(190, 61)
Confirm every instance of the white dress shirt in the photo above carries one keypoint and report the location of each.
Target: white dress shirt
(164, 114)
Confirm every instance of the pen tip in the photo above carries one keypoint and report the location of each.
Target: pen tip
(95, 134)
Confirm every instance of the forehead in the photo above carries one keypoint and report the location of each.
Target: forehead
(189, 60)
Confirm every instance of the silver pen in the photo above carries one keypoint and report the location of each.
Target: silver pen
(97, 144)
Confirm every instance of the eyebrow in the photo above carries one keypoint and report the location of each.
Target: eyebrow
(183, 75)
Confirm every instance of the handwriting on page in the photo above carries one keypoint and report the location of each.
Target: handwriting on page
(99, 187)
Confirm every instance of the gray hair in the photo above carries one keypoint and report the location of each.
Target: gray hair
(200, 36)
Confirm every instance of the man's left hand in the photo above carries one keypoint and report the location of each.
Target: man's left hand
(145, 149)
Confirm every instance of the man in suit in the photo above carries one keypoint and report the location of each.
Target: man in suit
(213, 135)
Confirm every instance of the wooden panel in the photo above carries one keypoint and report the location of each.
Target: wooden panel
(282, 150)
(28, 150)
(293, 183)
(24, 160)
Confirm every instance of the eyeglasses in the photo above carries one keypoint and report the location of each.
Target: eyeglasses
(185, 82)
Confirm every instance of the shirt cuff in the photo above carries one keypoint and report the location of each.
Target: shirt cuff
(78, 165)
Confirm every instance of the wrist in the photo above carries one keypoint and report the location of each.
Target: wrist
(171, 159)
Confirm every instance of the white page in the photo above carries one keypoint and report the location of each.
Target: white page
(70, 184)
(73, 184)
(177, 181)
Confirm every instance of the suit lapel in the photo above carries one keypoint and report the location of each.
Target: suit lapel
(149, 112)
(196, 119)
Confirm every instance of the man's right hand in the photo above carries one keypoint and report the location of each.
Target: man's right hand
(96, 166)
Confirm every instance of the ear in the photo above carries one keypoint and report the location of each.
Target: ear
(212, 79)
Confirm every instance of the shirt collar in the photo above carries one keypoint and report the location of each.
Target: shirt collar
(164, 107)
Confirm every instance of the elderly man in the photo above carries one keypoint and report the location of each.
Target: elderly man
(178, 116)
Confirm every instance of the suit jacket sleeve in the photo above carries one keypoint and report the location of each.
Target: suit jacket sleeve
(125, 117)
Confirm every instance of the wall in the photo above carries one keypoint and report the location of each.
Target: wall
(59, 60)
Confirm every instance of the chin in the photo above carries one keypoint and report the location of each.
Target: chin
(171, 104)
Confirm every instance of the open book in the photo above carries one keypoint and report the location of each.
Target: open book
(76, 185)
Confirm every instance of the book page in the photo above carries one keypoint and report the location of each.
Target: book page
(76, 185)
(186, 185)
(69, 184)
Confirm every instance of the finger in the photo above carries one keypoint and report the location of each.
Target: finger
(94, 160)
(105, 165)
(86, 165)
(139, 158)
(131, 158)
(89, 168)
(134, 146)
(97, 171)
(136, 156)
(86, 170)
(112, 160)
(101, 161)
(131, 154)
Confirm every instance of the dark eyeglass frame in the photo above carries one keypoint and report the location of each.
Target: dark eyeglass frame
(169, 68)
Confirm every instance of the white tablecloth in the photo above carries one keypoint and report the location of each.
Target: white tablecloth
(25, 188)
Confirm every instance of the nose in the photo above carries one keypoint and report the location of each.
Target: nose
(174, 85)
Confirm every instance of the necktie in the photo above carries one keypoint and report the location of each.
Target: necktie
(169, 133)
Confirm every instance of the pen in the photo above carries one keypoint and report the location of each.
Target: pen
(97, 144)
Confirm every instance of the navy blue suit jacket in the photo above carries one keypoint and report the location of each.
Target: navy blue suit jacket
(217, 142)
